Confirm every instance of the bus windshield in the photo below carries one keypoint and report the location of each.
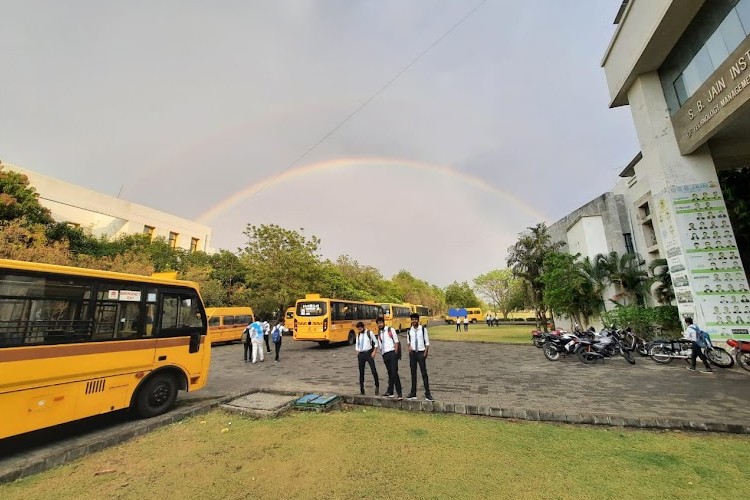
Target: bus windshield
(311, 308)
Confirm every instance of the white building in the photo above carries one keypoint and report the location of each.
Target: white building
(104, 215)
(683, 68)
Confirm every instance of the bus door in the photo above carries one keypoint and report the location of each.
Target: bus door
(181, 335)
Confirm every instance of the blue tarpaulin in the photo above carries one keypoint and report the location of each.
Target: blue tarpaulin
(457, 312)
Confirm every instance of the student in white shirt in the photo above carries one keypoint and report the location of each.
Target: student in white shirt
(367, 348)
(697, 337)
(266, 332)
(458, 323)
(419, 345)
(466, 323)
(391, 351)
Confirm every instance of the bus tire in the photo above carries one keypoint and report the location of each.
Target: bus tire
(473, 321)
(156, 395)
(351, 338)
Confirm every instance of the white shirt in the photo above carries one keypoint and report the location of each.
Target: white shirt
(364, 341)
(266, 328)
(690, 333)
(418, 338)
(386, 343)
(466, 319)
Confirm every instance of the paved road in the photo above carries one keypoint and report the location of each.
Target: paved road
(507, 376)
(515, 377)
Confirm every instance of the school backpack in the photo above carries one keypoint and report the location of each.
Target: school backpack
(276, 334)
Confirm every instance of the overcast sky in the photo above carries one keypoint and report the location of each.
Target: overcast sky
(178, 105)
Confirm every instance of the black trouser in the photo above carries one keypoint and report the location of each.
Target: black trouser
(391, 364)
(248, 351)
(278, 348)
(417, 358)
(268, 346)
(698, 353)
(458, 326)
(466, 327)
(362, 358)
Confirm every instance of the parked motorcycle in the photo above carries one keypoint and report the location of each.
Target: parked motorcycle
(606, 344)
(556, 346)
(664, 351)
(635, 343)
(538, 337)
(741, 352)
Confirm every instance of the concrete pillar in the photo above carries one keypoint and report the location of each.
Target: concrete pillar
(694, 231)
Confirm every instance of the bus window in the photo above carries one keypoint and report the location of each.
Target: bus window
(311, 308)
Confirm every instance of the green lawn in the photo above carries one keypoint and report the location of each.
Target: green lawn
(378, 453)
(480, 332)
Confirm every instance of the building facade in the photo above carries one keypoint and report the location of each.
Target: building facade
(683, 68)
(109, 216)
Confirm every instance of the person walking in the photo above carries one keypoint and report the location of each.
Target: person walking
(266, 334)
(276, 334)
(247, 343)
(458, 323)
(390, 348)
(367, 348)
(419, 345)
(699, 339)
(466, 323)
(256, 333)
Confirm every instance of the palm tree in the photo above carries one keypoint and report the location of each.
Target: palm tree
(661, 281)
(596, 274)
(526, 259)
(626, 274)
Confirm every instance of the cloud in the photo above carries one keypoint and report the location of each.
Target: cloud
(182, 104)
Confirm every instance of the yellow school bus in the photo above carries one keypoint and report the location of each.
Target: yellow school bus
(325, 320)
(396, 315)
(79, 342)
(225, 324)
(289, 318)
(474, 314)
(424, 313)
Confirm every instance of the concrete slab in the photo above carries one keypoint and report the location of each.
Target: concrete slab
(260, 404)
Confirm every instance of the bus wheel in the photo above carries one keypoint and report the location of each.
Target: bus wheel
(351, 339)
(473, 321)
(156, 396)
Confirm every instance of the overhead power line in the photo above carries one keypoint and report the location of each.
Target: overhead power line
(383, 88)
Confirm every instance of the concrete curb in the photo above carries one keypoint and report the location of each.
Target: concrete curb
(607, 419)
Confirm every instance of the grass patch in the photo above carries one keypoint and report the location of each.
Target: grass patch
(480, 332)
(311, 455)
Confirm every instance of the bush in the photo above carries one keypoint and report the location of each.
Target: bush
(646, 322)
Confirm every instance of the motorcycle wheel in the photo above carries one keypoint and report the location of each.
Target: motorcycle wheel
(720, 357)
(538, 342)
(641, 349)
(743, 359)
(628, 356)
(585, 357)
(550, 352)
(660, 354)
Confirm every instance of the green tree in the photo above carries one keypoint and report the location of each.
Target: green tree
(597, 276)
(504, 292)
(460, 295)
(625, 272)
(567, 288)
(735, 184)
(19, 200)
(282, 266)
(661, 281)
(526, 260)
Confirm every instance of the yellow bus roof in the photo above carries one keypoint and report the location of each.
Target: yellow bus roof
(20, 265)
(233, 310)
